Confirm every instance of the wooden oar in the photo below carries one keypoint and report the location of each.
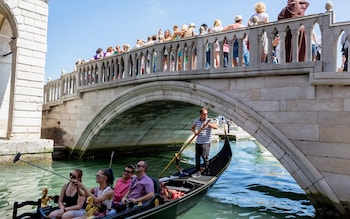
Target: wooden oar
(111, 160)
(183, 148)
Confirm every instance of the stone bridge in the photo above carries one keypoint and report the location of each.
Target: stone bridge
(300, 111)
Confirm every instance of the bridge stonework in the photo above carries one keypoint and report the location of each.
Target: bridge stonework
(23, 31)
(149, 96)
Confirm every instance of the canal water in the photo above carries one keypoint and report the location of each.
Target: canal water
(255, 185)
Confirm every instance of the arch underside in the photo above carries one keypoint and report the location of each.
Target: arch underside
(180, 102)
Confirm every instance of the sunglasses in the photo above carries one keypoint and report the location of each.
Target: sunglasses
(100, 175)
(139, 165)
(72, 176)
(126, 171)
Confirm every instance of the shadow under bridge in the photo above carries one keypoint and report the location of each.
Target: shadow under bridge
(151, 126)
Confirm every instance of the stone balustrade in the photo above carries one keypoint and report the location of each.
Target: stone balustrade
(189, 54)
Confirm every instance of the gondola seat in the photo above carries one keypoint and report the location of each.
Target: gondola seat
(156, 184)
(33, 214)
(157, 198)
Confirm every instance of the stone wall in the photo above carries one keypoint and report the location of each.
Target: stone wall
(24, 25)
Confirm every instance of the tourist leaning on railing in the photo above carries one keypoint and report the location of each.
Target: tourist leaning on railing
(294, 9)
(263, 18)
(345, 50)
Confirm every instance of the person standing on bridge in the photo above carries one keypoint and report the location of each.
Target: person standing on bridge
(217, 27)
(202, 127)
(345, 50)
(295, 9)
(263, 18)
(238, 24)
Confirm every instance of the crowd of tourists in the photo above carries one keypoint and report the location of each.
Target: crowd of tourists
(293, 9)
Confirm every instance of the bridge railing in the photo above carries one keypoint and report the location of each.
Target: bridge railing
(194, 54)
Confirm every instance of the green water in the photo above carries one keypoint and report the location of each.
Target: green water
(255, 185)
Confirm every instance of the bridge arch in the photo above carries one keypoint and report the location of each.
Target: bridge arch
(305, 174)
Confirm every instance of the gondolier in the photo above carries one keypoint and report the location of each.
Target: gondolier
(203, 139)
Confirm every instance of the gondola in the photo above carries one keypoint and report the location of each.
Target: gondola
(190, 187)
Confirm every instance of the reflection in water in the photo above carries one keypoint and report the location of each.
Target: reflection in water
(255, 185)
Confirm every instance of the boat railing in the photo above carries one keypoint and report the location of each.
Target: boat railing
(33, 204)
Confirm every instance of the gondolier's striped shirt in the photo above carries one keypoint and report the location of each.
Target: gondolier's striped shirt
(205, 135)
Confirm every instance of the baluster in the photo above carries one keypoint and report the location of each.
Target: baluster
(212, 53)
(308, 33)
(282, 45)
(240, 51)
(295, 44)
(254, 48)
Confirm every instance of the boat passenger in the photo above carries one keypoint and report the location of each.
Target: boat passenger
(70, 201)
(141, 189)
(122, 185)
(102, 195)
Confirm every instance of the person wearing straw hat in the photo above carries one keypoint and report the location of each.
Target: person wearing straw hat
(237, 24)
(191, 31)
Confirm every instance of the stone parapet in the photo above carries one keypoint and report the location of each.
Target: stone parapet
(40, 149)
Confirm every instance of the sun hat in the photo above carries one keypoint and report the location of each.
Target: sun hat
(191, 25)
(238, 18)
